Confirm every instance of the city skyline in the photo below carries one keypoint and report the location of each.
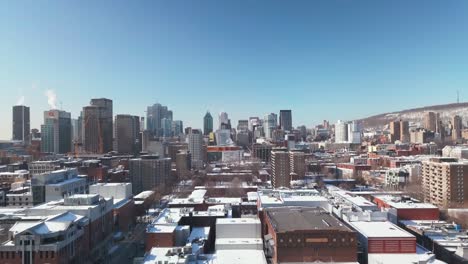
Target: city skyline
(177, 55)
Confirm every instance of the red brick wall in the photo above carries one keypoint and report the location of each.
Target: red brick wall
(392, 246)
(418, 214)
(125, 216)
(56, 258)
(306, 252)
(159, 240)
(100, 229)
(412, 213)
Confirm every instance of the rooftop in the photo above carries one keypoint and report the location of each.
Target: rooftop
(382, 229)
(143, 195)
(286, 219)
(402, 203)
(168, 220)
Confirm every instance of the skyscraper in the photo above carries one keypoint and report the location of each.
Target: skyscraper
(21, 123)
(155, 115)
(56, 132)
(254, 122)
(243, 125)
(286, 120)
(395, 130)
(341, 132)
(457, 127)
(207, 124)
(404, 131)
(195, 146)
(127, 131)
(177, 128)
(354, 132)
(166, 127)
(270, 123)
(430, 121)
(224, 122)
(98, 126)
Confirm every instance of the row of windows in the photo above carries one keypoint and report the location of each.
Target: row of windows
(12, 255)
(19, 199)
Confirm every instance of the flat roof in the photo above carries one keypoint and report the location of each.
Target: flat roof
(143, 195)
(223, 200)
(237, 221)
(382, 229)
(398, 203)
(111, 184)
(168, 220)
(72, 180)
(286, 219)
(240, 256)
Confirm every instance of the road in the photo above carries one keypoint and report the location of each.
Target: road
(129, 248)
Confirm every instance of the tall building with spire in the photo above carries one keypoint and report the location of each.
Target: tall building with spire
(207, 123)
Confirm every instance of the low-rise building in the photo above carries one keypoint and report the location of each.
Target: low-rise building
(305, 234)
(60, 238)
(383, 242)
(406, 208)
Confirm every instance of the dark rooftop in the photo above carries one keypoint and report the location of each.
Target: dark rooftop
(287, 219)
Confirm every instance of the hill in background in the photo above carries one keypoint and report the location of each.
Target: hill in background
(416, 115)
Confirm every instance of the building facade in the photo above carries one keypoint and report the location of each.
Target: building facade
(207, 124)
(297, 164)
(149, 172)
(307, 235)
(98, 126)
(56, 132)
(21, 123)
(195, 146)
(445, 182)
(286, 120)
(280, 168)
(126, 132)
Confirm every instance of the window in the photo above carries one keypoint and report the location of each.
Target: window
(52, 254)
(40, 254)
(47, 254)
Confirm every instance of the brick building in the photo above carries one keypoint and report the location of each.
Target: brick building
(307, 234)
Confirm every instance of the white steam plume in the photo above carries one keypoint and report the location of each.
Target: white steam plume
(20, 101)
(51, 98)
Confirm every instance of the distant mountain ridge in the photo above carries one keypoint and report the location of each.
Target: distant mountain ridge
(416, 115)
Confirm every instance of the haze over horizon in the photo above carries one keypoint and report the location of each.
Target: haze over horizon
(352, 59)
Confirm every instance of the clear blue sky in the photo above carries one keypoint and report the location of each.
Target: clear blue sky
(322, 59)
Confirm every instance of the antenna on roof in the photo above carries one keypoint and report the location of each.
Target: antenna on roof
(458, 97)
